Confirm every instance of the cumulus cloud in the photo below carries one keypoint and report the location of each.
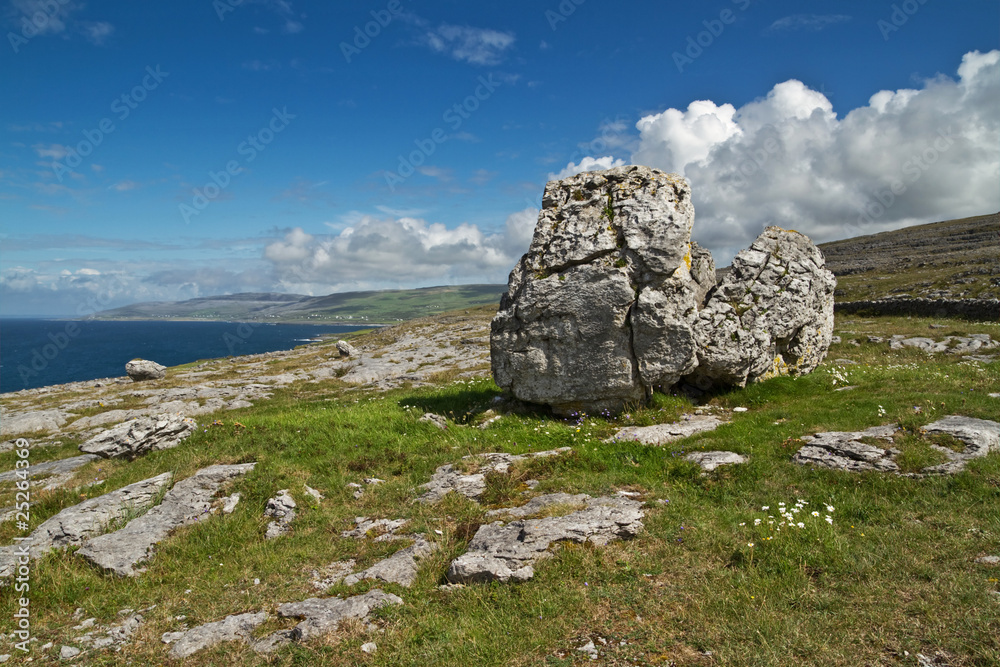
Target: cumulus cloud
(907, 157)
(478, 46)
(389, 252)
(587, 164)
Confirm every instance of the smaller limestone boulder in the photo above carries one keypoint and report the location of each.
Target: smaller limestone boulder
(346, 349)
(143, 369)
(144, 434)
(281, 508)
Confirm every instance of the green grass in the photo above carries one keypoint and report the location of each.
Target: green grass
(894, 572)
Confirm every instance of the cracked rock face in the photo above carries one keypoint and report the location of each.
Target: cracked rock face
(448, 478)
(140, 435)
(771, 315)
(844, 450)
(606, 282)
(608, 303)
(507, 552)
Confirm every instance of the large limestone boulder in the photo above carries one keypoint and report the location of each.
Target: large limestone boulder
(600, 309)
(143, 369)
(771, 315)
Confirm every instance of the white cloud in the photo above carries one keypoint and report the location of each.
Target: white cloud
(45, 16)
(809, 22)
(478, 46)
(587, 164)
(97, 32)
(907, 157)
(391, 252)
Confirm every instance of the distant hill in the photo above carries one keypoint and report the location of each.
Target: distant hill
(954, 259)
(345, 307)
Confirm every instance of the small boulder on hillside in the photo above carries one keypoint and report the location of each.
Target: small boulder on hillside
(138, 436)
(143, 369)
(346, 349)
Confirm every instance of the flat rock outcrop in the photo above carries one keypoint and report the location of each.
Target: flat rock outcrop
(844, 450)
(73, 525)
(709, 461)
(238, 627)
(661, 434)
(323, 615)
(32, 421)
(981, 436)
(400, 568)
(281, 509)
(448, 478)
(609, 302)
(507, 552)
(119, 552)
(58, 468)
(141, 435)
(143, 369)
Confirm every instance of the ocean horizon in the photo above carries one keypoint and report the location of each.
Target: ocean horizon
(37, 352)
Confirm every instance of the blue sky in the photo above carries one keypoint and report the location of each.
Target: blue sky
(161, 151)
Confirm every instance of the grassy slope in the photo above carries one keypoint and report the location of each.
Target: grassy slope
(376, 307)
(953, 259)
(893, 573)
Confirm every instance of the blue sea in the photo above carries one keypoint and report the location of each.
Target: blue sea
(36, 353)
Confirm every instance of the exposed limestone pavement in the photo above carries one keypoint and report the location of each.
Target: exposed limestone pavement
(448, 478)
(73, 525)
(661, 434)
(281, 509)
(189, 499)
(507, 552)
(847, 451)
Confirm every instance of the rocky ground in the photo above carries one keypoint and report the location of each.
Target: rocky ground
(955, 259)
(120, 418)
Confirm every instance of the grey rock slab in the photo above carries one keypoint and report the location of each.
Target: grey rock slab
(507, 552)
(68, 652)
(845, 451)
(346, 349)
(448, 478)
(323, 615)
(400, 568)
(436, 420)
(189, 499)
(332, 574)
(281, 508)
(771, 315)
(73, 525)
(988, 560)
(60, 467)
(141, 435)
(232, 628)
(383, 527)
(709, 461)
(661, 434)
(143, 369)
(981, 436)
(109, 417)
(30, 422)
(540, 503)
